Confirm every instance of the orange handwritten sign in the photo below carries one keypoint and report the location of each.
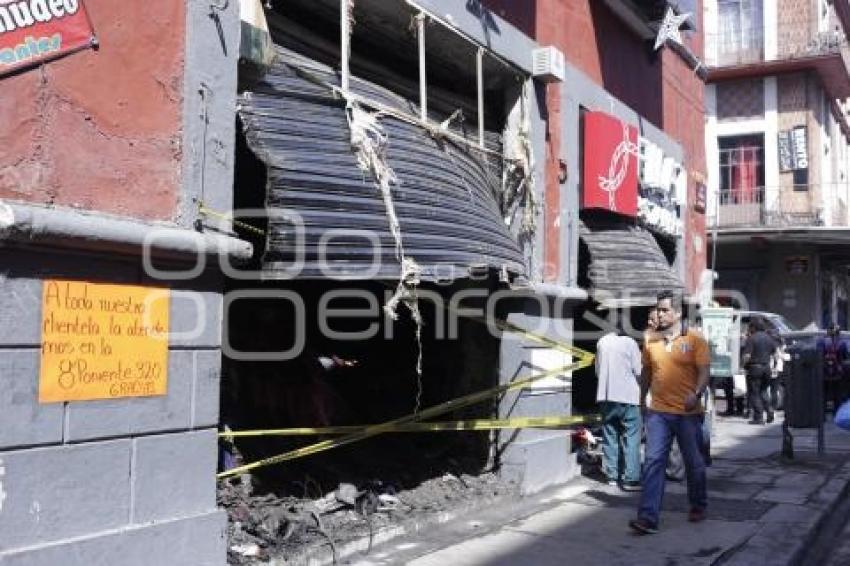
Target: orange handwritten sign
(101, 341)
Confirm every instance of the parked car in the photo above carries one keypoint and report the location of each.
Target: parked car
(777, 325)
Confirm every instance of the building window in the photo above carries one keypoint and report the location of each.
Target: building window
(740, 31)
(741, 169)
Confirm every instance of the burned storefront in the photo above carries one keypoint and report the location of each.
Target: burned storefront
(630, 229)
(387, 181)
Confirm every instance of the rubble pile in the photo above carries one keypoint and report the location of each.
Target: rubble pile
(262, 526)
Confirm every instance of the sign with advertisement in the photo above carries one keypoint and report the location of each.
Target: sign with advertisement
(793, 149)
(721, 331)
(36, 31)
(662, 189)
(801, 152)
(610, 164)
(102, 341)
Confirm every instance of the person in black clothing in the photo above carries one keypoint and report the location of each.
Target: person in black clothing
(833, 349)
(758, 352)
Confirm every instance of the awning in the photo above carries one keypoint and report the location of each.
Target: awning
(625, 265)
(445, 196)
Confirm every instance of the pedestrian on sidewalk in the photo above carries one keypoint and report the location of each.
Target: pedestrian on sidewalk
(675, 372)
(833, 350)
(618, 367)
(758, 353)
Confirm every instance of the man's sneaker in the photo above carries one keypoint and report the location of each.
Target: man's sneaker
(613, 483)
(643, 527)
(696, 515)
(631, 486)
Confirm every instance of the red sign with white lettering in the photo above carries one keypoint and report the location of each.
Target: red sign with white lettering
(36, 31)
(610, 164)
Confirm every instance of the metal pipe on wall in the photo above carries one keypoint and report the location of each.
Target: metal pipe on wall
(423, 79)
(479, 76)
(345, 42)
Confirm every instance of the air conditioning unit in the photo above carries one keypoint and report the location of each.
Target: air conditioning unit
(548, 64)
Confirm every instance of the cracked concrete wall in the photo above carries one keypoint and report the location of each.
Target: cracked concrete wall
(100, 128)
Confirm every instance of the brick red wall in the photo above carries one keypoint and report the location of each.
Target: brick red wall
(660, 87)
(101, 130)
(684, 120)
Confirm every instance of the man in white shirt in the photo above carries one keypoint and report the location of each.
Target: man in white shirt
(618, 367)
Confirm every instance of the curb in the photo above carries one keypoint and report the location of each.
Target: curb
(836, 500)
(828, 497)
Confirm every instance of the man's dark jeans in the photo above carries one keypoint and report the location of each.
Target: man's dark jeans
(758, 378)
(660, 430)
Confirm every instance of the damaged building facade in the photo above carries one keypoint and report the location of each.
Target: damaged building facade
(628, 227)
(339, 214)
(403, 188)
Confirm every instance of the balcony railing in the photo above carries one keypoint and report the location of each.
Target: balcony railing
(749, 46)
(796, 206)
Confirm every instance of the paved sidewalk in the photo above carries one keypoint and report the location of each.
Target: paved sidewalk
(761, 511)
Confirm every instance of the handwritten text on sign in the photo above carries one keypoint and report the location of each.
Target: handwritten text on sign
(102, 341)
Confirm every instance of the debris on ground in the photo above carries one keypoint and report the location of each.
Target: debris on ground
(263, 526)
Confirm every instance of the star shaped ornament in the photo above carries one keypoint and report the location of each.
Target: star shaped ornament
(670, 28)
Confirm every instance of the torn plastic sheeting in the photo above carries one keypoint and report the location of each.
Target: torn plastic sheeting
(369, 144)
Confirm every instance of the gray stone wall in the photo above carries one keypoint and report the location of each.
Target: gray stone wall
(128, 481)
(129, 478)
(534, 458)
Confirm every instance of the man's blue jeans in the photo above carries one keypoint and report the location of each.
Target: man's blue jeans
(621, 419)
(660, 430)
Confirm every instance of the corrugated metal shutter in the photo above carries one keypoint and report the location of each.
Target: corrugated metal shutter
(625, 264)
(446, 198)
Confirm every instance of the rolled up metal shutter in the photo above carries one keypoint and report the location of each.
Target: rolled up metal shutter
(446, 197)
(625, 265)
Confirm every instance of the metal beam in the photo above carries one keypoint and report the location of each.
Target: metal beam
(345, 42)
(423, 78)
(479, 75)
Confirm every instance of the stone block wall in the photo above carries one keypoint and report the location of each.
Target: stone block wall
(124, 481)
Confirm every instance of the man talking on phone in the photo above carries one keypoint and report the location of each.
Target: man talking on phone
(676, 372)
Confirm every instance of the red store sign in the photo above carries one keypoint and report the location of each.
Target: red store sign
(610, 164)
(36, 31)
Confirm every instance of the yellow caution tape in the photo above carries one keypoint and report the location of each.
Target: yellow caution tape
(390, 426)
(585, 357)
(205, 211)
(475, 424)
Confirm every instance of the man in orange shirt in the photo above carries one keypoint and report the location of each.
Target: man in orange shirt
(675, 371)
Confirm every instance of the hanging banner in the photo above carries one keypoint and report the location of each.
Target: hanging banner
(35, 31)
(801, 152)
(786, 153)
(101, 341)
(610, 164)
